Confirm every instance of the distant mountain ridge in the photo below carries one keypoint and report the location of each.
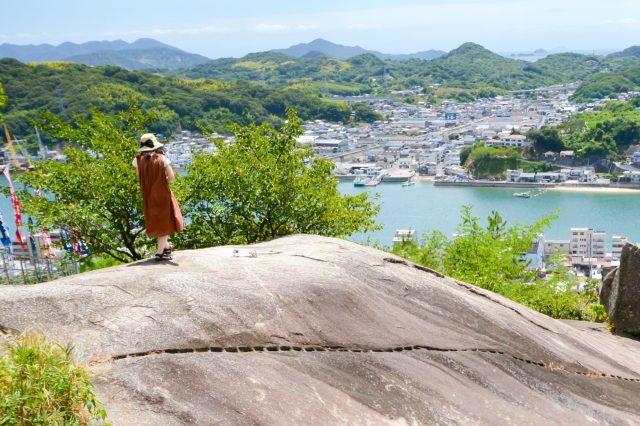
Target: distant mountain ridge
(319, 47)
(144, 53)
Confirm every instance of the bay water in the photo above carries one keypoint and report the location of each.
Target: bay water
(425, 207)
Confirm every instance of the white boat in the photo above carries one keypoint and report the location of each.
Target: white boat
(373, 181)
(404, 235)
(409, 182)
(522, 194)
(399, 175)
(360, 180)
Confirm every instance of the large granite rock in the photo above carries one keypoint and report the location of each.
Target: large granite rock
(323, 331)
(620, 292)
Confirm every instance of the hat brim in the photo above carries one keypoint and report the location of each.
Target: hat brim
(153, 148)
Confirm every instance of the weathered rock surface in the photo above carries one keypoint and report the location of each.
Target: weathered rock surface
(620, 292)
(323, 331)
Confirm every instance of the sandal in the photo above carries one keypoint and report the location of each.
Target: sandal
(168, 250)
(162, 256)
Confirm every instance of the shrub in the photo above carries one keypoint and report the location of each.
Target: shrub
(491, 257)
(41, 385)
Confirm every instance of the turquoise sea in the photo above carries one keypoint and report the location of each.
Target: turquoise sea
(425, 207)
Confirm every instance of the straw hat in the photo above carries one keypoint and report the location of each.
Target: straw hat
(148, 142)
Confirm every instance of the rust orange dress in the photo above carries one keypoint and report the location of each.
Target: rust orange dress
(162, 215)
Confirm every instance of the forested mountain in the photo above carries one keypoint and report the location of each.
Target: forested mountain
(141, 59)
(68, 89)
(574, 66)
(326, 48)
(609, 84)
(143, 53)
(470, 66)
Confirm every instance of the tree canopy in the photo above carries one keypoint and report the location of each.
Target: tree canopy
(264, 186)
(95, 194)
(491, 257)
(68, 90)
(261, 186)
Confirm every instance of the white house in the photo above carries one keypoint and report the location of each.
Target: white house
(631, 176)
(517, 141)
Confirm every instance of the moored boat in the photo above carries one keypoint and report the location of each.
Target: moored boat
(522, 194)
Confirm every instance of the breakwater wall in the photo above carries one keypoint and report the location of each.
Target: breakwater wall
(493, 184)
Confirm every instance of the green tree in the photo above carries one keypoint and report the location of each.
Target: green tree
(364, 113)
(95, 193)
(264, 186)
(491, 257)
(546, 139)
(3, 99)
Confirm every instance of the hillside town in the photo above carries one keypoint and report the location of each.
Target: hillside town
(425, 140)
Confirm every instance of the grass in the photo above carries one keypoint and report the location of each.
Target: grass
(97, 262)
(40, 384)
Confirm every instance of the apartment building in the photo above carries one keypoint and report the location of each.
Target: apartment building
(586, 242)
(617, 242)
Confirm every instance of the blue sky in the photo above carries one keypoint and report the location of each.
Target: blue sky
(234, 28)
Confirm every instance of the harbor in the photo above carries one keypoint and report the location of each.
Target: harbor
(426, 207)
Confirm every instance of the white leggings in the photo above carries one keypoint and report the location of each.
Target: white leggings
(163, 243)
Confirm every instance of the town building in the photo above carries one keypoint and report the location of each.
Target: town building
(587, 243)
(552, 247)
(617, 242)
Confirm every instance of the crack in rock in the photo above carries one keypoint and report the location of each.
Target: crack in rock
(391, 349)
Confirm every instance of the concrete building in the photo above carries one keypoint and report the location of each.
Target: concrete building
(556, 246)
(588, 243)
(617, 242)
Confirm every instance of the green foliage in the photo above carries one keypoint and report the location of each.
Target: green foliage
(34, 88)
(546, 139)
(491, 161)
(486, 162)
(574, 66)
(41, 385)
(93, 262)
(264, 186)
(471, 69)
(555, 296)
(95, 193)
(606, 133)
(3, 99)
(364, 113)
(491, 257)
(485, 256)
(609, 84)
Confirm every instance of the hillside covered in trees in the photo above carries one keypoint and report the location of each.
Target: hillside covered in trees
(470, 68)
(67, 89)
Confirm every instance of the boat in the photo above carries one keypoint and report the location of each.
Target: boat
(409, 182)
(373, 181)
(399, 175)
(404, 235)
(360, 180)
(522, 194)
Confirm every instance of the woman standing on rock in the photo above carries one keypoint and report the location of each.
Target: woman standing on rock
(162, 215)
